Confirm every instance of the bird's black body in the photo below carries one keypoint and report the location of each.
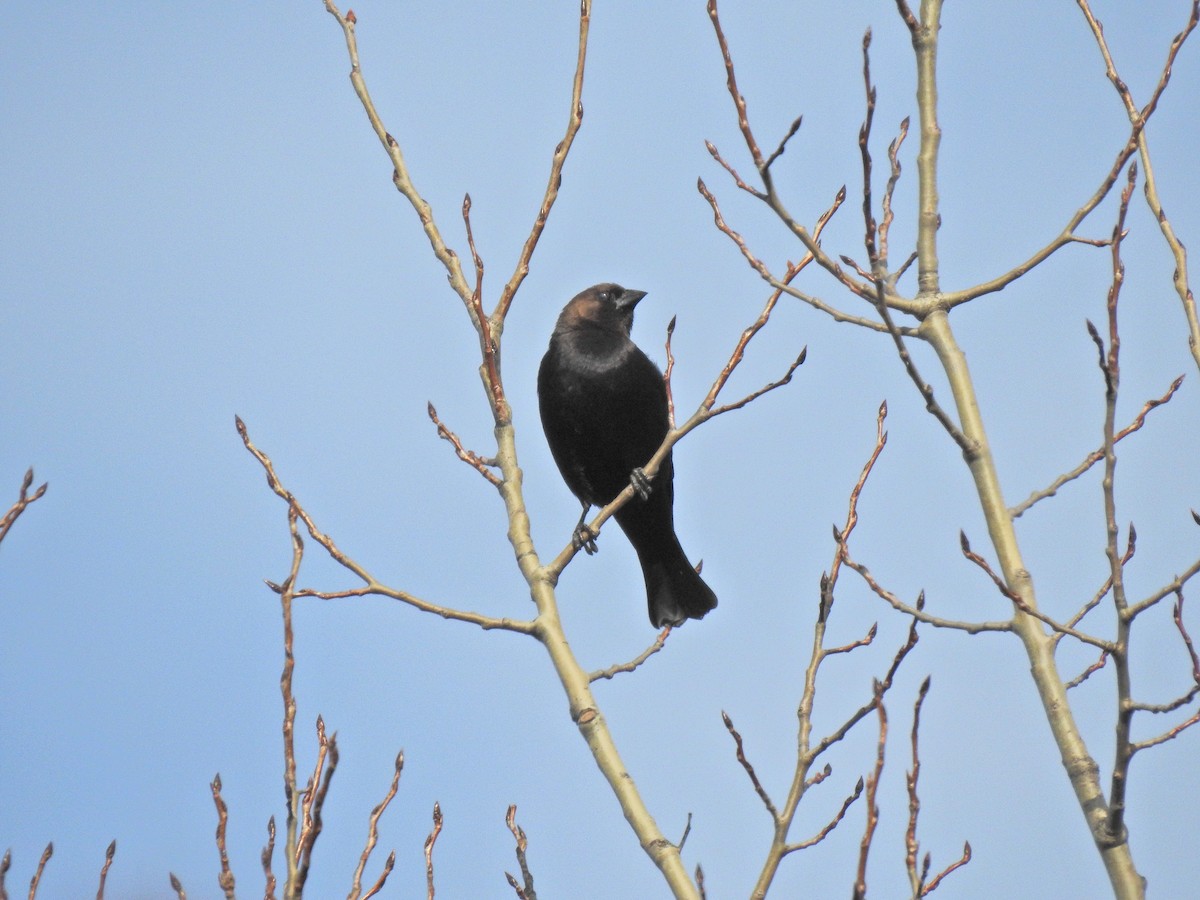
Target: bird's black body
(604, 411)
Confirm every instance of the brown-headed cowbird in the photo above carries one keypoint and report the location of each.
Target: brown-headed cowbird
(604, 411)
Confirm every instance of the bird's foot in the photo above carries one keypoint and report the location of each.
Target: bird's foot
(640, 483)
(583, 538)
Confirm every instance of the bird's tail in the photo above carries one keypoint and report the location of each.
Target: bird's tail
(676, 593)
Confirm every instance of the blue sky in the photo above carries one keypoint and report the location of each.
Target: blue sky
(197, 222)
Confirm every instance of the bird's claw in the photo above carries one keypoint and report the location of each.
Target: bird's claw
(583, 538)
(640, 483)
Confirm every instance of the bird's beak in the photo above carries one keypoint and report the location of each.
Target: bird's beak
(629, 299)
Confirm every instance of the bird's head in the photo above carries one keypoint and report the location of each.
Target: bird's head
(605, 305)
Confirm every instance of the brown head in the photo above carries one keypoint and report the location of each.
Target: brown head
(608, 306)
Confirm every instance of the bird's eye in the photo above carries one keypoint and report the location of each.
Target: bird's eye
(605, 296)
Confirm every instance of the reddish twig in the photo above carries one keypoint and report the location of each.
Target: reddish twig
(831, 824)
(561, 150)
(373, 836)
(225, 879)
(936, 881)
(667, 372)
(1177, 615)
(108, 861)
(429, 842)
(474, 460)
(41, 867)
(1089, 671)
(372, 586)
(23, 501)
(268, 852)
(388, 865)
(614, 670)
(524, 890)
(911, 845)
(1096, 455)
(1020, 603)
(745, 763)
(864, 847)
(314, 800)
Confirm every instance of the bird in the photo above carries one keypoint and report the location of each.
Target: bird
(603, 406)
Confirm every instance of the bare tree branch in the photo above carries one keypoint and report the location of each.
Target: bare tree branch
(108, 861)
(1138, 118)
(614, 670)
(525, 889)
(23, 501)
(429, 842)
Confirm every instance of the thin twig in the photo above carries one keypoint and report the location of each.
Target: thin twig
(429, 842)
(1137, 118)
(388, 865)
(1096, 455)
(668, 372)
(524, 890)
(911, 844)
(372, 587)
(574, 120)
(474, 460)
(1177, 616)
(225, 879)
(619, 668)
(916, 611)
(373, 833)
(23, 501)
(745, 764)
(936, 881)
(41, 867)
(108, 861)
(1089, 671)
(267, 853)
(864, 848)
(831, 824)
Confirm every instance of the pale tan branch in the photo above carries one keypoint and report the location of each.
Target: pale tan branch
(400, 175)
